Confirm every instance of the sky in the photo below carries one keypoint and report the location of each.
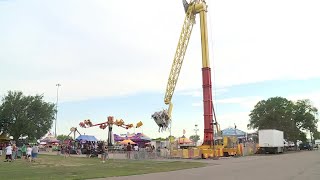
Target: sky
(113, 58)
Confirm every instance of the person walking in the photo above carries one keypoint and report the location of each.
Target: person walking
(104, 153)
(29, 153)
(14, 152)
(1, 148)
(24, 151)
(35, 151)
(8, 153)
(66, 151)
(129, 150)
(88, 152)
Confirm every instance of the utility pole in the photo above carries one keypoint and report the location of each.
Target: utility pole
(55, 124)
(196, 131)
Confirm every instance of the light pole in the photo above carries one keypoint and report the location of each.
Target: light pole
(55, 124)
(196, 131)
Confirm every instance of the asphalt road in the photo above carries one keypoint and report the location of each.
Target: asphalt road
(292, 166)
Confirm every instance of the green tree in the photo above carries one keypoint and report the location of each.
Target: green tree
(294, 119)
(305, 116)
(63, 137)
(274, 113)
(25, 115)
(195, 138)
(171, 138)
(316, 135)
(159, 139)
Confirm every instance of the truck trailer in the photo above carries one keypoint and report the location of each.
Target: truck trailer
(271, 141)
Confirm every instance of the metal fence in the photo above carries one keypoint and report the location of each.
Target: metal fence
(249, 149)
(194, 153)
(136, 155)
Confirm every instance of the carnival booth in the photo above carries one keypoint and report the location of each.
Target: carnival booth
(49, 143)
(139, 138)
(236, 134)
(4, 138)
(86, 143)
(126, 142)
(84, 138)
(184, 142)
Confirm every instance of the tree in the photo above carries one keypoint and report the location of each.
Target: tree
(171, 138)
(195, 138)
(159, 139)
(305, 116)
(63, 137)
(274, 113)
(25, 115)
(279, 113)
(316, 135)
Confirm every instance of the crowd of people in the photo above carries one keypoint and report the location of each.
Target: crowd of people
(89, 149)
(13, 152)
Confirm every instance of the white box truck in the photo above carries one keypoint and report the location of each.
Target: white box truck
(271, 141)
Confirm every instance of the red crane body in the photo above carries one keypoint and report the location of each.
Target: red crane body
(207, 106)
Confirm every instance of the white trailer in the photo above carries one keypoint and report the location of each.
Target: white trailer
(271, 141)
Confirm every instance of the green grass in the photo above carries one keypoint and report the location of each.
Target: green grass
(57, 167)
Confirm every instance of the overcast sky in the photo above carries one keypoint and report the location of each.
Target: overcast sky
(114, 57)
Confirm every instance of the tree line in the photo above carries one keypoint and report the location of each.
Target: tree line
(25, 116)
(32, 117)
(295, 119)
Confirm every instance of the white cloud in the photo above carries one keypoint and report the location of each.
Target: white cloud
(241, 119)
(94, 49)
(198, 104)
(313, 96)
(247, 102)
(199, 92)
(193, 93)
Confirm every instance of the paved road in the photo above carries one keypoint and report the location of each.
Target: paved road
(293, 166)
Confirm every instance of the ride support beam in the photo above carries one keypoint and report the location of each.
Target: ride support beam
(207, 106)
(206, 78)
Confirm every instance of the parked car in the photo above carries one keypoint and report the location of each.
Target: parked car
(304, 146)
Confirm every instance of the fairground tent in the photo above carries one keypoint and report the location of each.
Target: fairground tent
(126, 141)
(49, 138)
(86, 138)
(233, 132)
(4, 137)
(139, 137)
(184, 140)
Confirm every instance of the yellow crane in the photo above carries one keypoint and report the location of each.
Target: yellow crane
(163, 118)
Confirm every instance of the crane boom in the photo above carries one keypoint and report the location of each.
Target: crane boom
(179, 56)
(163, 118)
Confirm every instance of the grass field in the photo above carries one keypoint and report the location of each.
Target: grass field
(57, 167)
